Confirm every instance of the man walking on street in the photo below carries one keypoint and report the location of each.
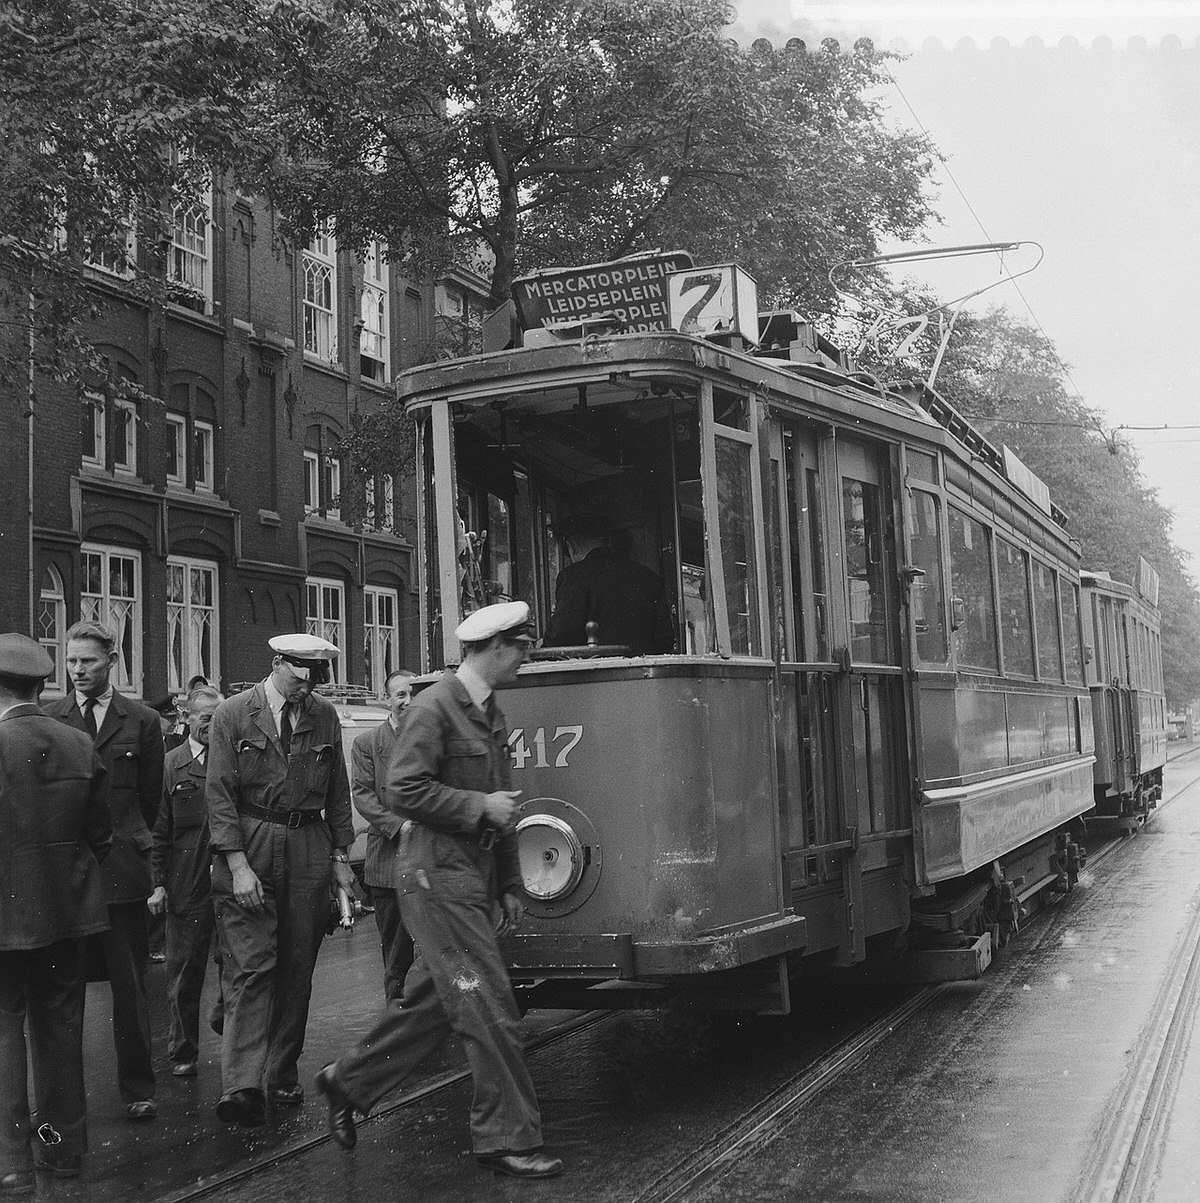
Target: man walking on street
(458, 872)
(369, 759)
(53, 827)
(275, 764)
(180, 867)
(128, 740)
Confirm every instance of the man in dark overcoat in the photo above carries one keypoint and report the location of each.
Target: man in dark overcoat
(458, 878)
(623, 598)
(54, 828)
(369, 760)
(128, 740)
(280, 827)
(180, 866)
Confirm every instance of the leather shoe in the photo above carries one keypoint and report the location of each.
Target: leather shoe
(184, 1069)
(68, 1166)
(244, 1107)
(141, 1110)
(19, 1182)
(288, 1096)
(522, 1165)
(341, 1109)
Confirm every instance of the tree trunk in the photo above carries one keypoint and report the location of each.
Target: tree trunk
(505, 246)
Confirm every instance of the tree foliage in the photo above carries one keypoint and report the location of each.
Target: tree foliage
(1007, 377)
(113, 115)
(558, 131)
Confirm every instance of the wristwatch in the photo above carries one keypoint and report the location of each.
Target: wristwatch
(340, 857)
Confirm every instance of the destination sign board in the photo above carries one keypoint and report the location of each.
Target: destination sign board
(632, 293)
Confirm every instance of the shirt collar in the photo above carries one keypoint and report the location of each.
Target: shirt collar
(101, 699)
(477, 688)
(275, 699)
(198, 749)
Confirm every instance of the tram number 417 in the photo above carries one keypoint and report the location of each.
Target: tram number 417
(562, 743)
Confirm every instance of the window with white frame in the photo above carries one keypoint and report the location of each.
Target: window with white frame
(190, 268)
(192, 626)
(95, 445)
(458, 321)
(124, 437)
(381, 635)
(176, 449)
(320, 297)
(202, 455)
(373, 341)
(111, 592)
(118, 261)
(381, 506)
(325, 615)
(312, 481)
(51, 626)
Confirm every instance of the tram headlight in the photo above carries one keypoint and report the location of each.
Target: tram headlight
(552, 858)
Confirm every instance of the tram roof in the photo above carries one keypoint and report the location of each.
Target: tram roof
(609, 365)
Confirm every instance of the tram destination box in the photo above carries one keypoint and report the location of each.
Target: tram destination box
(630, 294)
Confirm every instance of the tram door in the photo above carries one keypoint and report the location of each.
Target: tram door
(875, 792)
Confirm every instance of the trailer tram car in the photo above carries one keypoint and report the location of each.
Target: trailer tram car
(874, 729)
(1129, 708)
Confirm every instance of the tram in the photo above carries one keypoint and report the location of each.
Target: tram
(1123, 650)
(874, 726)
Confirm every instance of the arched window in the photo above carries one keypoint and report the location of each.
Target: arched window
(52, 626)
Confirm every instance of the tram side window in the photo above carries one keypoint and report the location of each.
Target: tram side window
(1016, 627)
(973, 617)
(1045, 611)
(735, 504)
(1072, 632)
(926, 592)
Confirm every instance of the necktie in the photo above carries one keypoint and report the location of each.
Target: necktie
(285, 729)
(89, 717)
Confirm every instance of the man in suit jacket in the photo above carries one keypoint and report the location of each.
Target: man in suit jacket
(369, 759)
(128, 738)
(180, 865)
(623, 598)
(280, 826)
(459, 880)
(53, 828)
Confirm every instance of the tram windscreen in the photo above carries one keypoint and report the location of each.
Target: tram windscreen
(553, 487)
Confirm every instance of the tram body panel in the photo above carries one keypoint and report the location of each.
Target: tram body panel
(672, 769)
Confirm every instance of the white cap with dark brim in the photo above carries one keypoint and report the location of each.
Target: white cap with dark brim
(510, 619)
(305, 652)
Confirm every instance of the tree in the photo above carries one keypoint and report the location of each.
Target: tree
(560, 131)
(114, 114)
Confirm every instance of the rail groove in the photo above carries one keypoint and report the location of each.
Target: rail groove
(298, 1148)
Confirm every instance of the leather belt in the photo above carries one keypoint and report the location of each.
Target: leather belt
(289, 818)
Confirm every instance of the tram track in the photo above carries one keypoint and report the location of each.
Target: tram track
(209, 1187)
(1130, 1139)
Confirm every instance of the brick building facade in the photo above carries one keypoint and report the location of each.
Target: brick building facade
(203, 521)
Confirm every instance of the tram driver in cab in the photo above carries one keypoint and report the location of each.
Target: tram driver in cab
(603, 585)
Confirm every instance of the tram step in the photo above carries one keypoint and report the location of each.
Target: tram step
(949, 964)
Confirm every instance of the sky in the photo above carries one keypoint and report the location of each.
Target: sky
(1090, 148)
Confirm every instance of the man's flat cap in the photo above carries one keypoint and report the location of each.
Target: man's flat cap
(510, 619)
(24, 659)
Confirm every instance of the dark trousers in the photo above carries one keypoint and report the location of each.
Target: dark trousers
(394, 941)
(125, 956)
(459, 983)
(269, 955)
(42, 989)
(189, 946)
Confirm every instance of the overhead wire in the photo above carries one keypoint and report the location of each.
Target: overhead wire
(1108, 438)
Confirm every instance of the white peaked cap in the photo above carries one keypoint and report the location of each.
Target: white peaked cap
(504, 617)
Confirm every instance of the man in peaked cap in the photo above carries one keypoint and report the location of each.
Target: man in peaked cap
(54, 828)
(280, 828)
(457, 875)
